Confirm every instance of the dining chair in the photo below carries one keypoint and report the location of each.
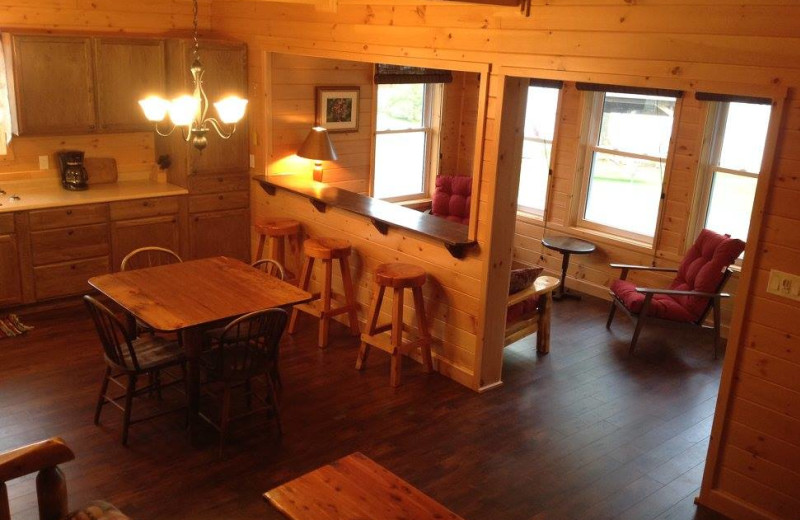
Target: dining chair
(150, 256)
(271, 267)
(246, 349)
(130, 357)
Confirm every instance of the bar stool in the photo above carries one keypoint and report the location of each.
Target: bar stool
(327, 250)
(398, 277)
(277, 230)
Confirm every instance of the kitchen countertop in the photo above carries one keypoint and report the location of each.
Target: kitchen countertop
(38, 194)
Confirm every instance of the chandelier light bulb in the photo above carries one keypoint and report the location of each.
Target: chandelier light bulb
(183, 109)
(155, 108)
(231, 109)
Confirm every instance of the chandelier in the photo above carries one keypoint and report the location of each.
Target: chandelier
(188, 112)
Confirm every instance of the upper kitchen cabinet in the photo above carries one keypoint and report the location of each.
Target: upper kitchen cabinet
(72, 85)
(127, 70)
(225, 65)
(53, 85)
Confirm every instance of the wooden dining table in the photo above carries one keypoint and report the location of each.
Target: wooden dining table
(188, 297)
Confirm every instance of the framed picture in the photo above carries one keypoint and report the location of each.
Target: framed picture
(337, 108)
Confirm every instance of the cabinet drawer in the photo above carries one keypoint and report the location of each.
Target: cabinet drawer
(69, 216)
(218, 201)
(60, 245)
(154, 207)
(67, 278)
(218, 183)
(6, 223)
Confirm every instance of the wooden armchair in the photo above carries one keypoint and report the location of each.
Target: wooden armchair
(533, 309)
(51, 486)
(696, 289)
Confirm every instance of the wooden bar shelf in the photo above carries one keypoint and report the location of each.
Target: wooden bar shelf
(383, 215)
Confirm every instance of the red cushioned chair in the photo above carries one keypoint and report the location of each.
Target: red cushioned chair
(452, 196)
(695, 291)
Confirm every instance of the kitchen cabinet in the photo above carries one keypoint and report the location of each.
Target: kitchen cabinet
(74, 85)
(225, 65)
(127, 70)
(225, 233)
(147, 222)
(53, 79)
(10, 276)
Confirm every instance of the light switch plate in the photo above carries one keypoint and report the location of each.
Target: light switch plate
(784, 284)
(252, 161)
(44, 162)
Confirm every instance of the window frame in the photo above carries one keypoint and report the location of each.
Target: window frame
(431, 127)
(709, 161)
(593, 118)
(534, 213)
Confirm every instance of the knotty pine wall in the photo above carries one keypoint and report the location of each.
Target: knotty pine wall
(729, 46)
(459, 124)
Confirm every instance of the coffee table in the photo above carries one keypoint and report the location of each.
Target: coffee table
(354, 488)
(567, 246)
(189, 296)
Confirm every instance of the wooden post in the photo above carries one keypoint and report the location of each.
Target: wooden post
(51, 492)
(501, 216)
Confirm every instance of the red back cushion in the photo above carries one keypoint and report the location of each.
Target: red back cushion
(451, 199)
(703, 268)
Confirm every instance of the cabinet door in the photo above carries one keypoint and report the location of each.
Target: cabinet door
(225, 74)
(54, 85)
(10, 280)
(128, 235)
(221, 233)
(127, 71)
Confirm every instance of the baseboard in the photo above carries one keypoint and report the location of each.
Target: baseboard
(732, 507)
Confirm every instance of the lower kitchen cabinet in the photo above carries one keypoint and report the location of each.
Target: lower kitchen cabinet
(129, 235)
(68, 278)
(10, 276)
(220, 233)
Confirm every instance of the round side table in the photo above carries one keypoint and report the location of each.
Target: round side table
(567, 246)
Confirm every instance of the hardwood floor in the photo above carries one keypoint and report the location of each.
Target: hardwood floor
(584, 432)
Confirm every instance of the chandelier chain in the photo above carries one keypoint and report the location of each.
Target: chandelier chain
(196, 38)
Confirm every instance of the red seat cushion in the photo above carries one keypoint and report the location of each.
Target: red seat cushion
(702, 269)
(451, 199)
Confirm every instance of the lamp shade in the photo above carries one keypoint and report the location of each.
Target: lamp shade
(318, 146)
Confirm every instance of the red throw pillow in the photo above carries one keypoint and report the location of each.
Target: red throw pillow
(523, 278)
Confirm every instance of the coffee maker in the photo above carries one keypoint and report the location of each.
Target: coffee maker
(73, 174)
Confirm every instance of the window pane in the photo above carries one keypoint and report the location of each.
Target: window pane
(540, 123)
(624, 193)
(731, 204)
(400, 106)
(399, 164)
(745, 136)
(533, 174)
(637, 124)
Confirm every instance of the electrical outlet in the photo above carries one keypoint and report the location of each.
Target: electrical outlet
(44, 162)
(784, 284)
(252, 161)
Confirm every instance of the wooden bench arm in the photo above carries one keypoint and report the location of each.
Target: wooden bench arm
(677, 292)
(644, 268)
(542, 285)
(34, 457)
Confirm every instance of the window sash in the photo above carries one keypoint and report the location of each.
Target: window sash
(591, 148)
(432, 102)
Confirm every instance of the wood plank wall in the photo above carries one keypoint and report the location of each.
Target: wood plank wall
(591, 273)
(732, 46)
(459, 124)
(293, 109)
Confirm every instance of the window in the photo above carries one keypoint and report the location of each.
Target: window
(731, 165)
(540, 124)
(627, 143)
(406, 139)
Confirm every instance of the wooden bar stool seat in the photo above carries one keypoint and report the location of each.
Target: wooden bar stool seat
(398, 277)
(279, 231)
(326, 250)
